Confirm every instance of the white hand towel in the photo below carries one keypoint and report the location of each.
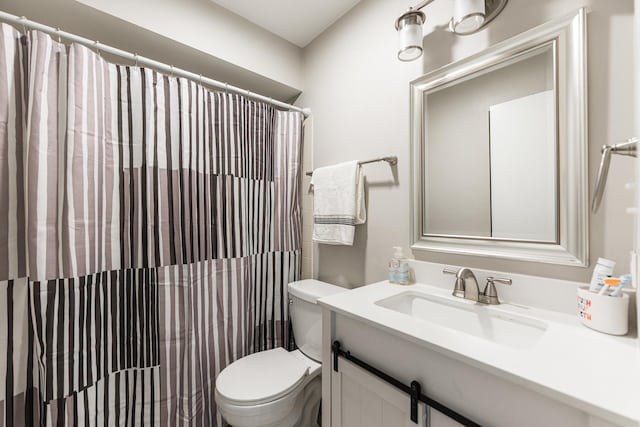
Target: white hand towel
(338, 203)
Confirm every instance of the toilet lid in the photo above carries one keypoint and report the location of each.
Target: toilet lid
(261, 377)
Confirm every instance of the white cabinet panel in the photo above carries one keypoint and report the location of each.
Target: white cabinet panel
(360, 399)
(436, 419)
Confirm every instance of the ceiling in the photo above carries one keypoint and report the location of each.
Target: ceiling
(298, 21)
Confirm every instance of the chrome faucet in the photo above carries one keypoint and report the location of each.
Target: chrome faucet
(466, 286)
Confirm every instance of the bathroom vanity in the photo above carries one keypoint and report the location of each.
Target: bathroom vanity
(505, 365)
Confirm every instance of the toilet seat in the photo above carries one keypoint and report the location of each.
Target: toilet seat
(261, 377)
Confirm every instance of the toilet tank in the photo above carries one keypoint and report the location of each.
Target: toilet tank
(306, 314)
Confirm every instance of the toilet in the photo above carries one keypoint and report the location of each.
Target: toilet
(278, 388)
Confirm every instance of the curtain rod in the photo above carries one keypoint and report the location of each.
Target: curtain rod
(23, 21)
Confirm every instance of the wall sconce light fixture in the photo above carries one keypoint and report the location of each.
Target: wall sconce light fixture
(469, 16)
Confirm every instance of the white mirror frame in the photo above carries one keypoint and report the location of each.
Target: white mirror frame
(569, 37)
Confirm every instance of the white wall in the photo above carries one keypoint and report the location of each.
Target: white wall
(204, 25)
(196, 35)
(359, 94)
(636, 49)
(360, 98)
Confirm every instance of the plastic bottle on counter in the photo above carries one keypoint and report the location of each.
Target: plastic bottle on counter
(398, 267)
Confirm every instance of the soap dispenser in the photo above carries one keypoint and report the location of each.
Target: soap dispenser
(398, 267)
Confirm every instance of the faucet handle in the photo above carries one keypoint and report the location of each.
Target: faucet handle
(490, 293)
(499, 280)
(458, 288)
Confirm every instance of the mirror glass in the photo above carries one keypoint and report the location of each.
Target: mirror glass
(499, 146)
(490, 152)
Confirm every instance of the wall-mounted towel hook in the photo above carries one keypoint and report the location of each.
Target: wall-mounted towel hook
(627, 148)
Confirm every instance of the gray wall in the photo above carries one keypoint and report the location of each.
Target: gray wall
(359, 94)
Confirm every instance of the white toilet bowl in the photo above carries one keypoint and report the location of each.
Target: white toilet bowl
(277, 388)
(273, 388)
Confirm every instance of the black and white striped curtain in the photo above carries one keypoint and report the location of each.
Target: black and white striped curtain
(148, 229)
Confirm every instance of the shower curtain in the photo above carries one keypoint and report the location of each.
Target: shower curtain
(148, 230)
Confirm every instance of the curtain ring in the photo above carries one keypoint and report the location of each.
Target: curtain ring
(200, 79)
(97, 46)
(171, 70)
(24, 26)
(135, 58)
(226, 87)
(58, 34)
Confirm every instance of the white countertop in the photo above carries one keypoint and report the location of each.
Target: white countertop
(594, 372)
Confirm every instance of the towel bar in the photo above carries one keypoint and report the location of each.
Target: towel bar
(392, 160)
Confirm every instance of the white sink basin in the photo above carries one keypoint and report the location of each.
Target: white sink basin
(487, 322)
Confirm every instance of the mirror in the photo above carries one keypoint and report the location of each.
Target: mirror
(497, 127)
(499, 147)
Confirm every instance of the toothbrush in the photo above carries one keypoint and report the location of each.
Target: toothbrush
(625, 281)
(608, 283)
(599, 286)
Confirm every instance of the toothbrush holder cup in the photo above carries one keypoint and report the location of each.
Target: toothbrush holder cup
(602, 312)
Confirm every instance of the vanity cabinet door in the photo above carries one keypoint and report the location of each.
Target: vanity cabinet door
(359, 399)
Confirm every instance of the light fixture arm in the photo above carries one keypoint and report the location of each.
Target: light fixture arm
(422, 4)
